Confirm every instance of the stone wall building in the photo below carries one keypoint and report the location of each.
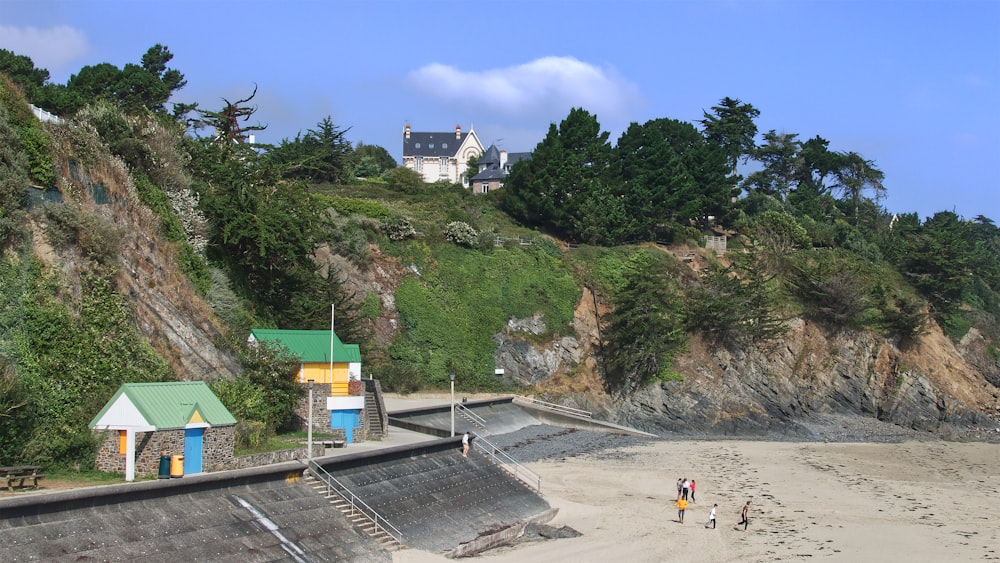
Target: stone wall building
(144, 421)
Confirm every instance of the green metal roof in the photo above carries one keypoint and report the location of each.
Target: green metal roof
(310, 346)
(171, 404)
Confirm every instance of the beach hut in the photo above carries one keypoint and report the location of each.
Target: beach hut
(334, 368)
(142, 422)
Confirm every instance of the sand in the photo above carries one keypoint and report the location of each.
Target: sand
(913, 501)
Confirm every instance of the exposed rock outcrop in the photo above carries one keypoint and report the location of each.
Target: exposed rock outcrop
(925, 385)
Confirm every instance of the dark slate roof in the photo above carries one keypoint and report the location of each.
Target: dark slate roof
(491, 156)
(432, 144)
(515, 157)
(489, 174)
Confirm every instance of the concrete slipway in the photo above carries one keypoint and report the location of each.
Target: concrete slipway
(418, 481)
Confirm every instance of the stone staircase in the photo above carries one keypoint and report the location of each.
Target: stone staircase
(373, 418)
(376, 417)
(356, 517)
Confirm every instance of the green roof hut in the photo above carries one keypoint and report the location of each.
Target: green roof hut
(145, 421)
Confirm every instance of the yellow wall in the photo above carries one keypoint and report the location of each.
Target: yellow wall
(320, 373)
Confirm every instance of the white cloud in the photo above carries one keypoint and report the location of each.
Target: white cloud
(542, 86)
(52, 48)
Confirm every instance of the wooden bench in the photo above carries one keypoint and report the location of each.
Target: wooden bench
(20, 475)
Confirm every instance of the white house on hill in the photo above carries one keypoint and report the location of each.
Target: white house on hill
(440, 157)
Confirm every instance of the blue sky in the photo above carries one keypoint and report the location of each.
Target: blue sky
(912, 85)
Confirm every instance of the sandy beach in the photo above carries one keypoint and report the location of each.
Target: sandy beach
(912, 501)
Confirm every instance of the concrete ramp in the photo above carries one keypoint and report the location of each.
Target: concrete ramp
(436, 498)
(243, 517)
(500, 416)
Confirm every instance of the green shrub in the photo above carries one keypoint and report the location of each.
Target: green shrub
(955, 325)
(249, 436)
(398, 228)
(461, 233)
(398, 377)
(195, 268)
(37, 146)
(463, 297)
(96, 236)
(348, 206)
(371, 306)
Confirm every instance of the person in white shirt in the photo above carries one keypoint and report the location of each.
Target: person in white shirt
(465, 445)
(711, 517)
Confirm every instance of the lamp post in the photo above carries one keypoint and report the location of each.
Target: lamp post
(309, 431)
(452, 376)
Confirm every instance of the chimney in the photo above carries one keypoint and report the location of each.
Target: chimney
(458, 131)
(406, 133)
(503, 158)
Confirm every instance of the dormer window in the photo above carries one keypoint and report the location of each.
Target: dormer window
(416, 145)
(430, 145)
(444, 145)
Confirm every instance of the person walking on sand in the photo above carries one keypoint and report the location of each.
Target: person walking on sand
(685, 489)
(680, 485)
(744, 517)
(681, 507)
(692, 490)
(465, 445)
(711, 517)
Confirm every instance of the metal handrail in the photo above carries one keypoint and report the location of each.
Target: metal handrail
(504, 460)
(475, 418)
(554, 407)
(335, 486)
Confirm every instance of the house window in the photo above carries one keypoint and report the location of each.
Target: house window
(416, 145)
(430, 145)
(444, 145)
(444, 165)
(419, 164)
(122, 441)
(486, 187)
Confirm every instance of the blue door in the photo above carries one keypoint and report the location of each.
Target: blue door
(347, 420)
(192, 450)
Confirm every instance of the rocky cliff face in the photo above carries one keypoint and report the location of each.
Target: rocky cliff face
(179, 325)
(926, 385)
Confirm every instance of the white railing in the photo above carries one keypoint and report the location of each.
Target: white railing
(475, 418)
(508, 463)
(43, 115)
(553, 407)
(357, 505)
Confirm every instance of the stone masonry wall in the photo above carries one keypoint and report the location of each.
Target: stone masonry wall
(148, 448)
(321, 416)
(217, 450)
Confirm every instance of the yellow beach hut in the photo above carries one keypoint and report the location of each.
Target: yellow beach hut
(313, 348)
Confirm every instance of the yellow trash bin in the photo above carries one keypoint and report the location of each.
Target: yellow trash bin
(177, 466)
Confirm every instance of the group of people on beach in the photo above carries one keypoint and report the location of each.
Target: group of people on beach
(686, 489)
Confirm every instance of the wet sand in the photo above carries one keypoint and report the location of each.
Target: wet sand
(912, 501)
